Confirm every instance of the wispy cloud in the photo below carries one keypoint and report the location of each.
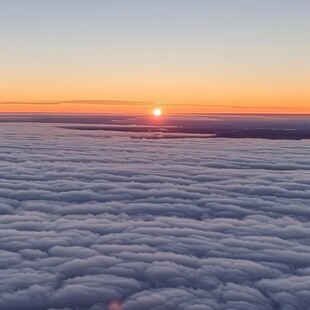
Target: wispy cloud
(143, 103)
(81, 102)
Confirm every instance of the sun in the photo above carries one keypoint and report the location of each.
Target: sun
(157, 112)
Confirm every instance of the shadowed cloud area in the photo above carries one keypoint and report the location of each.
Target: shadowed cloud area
(97, 220)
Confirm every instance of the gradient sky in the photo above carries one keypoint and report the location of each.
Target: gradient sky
(188, 56)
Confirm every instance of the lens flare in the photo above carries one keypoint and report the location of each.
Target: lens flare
(115, 305)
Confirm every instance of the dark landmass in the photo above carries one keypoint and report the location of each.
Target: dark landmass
(276, 134)
(262, 126)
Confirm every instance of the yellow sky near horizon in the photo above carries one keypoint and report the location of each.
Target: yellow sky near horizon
(147, 108)
(175, 95)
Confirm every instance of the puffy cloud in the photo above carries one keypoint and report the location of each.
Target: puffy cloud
(95, 220)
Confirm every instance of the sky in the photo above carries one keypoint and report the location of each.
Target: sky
(127, 56)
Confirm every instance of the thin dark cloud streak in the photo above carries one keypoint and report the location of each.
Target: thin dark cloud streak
(142, 103)
(78, 102)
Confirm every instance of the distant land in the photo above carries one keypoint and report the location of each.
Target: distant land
(259, 126)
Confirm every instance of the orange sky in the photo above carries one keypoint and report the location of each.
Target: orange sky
(166, 108)
(202, 94)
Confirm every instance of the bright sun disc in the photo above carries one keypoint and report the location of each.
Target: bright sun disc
(157, 112)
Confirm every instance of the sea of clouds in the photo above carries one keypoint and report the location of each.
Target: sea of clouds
(94, 220)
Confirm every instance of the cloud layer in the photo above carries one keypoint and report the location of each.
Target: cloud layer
(94, 220)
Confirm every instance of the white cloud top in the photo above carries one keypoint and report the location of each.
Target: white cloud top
(94, 219)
